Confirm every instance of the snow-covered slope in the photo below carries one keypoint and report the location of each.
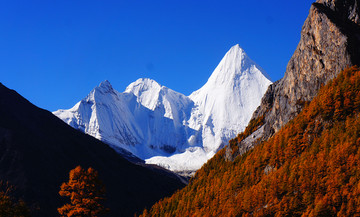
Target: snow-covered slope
(146, 120)
(222, 109)
(168, 128)
(105, 114)
(224, 105)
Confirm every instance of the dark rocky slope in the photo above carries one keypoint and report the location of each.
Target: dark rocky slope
(330, 42)
(37, 151)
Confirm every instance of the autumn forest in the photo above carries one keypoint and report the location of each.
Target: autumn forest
(309, 168)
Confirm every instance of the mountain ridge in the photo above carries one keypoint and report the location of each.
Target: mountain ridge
(166, 127)
(38, 150)
(329, 43)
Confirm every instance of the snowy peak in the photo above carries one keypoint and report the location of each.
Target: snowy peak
(231, 64)
(153, 96)
(105, 86)
(167, 128)
(234, 64)
(224, 105)
(235, 58)
(143, 85)
(233, 71)
(104, 92)
(147, 92)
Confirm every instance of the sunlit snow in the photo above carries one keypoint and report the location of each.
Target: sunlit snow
(167, 128)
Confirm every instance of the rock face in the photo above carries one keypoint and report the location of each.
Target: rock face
(347, 9)
(330, 42)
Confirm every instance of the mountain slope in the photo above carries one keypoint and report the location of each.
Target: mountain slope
(146, 119)
(309, 168)
(167, 128)
(228, 98)
(38, 150)
(330, 42)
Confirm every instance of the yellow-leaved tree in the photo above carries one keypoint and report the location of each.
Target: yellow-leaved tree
(86, 193)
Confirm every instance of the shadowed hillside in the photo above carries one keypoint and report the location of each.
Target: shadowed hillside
(37, 151)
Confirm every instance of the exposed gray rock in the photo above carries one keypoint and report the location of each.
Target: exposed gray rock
(330, 42)
(268, 169)
(248, 142)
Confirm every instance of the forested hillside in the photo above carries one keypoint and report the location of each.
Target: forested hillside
(309, 168)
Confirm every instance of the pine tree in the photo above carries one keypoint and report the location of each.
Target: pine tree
(10, 206)
(86, 192)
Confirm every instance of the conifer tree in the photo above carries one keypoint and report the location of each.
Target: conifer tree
(86, 192)
(9, 206)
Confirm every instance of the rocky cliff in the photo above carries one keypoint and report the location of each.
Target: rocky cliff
(330, 42)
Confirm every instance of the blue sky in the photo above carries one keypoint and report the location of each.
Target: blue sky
(54, 52)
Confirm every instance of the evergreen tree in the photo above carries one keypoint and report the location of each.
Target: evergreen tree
(8, 205)
(86, 192)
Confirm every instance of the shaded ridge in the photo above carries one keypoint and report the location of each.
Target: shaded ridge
(37, 151)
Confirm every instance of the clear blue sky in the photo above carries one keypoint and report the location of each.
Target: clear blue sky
(54, 52)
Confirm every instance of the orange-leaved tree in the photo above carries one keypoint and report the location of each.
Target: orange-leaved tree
(10, 206)
(86, 192)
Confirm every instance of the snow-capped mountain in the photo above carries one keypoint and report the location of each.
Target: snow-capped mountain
(146, 119)
(224, 105)
(167, 128)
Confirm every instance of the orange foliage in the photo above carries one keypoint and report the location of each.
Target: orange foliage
(85, 191)
(311, 167)
(9, 206)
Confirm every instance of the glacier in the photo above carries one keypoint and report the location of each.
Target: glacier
(167, 128)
